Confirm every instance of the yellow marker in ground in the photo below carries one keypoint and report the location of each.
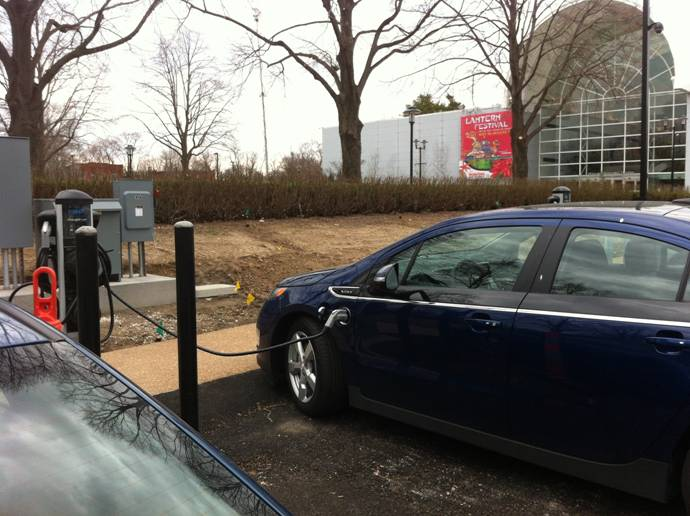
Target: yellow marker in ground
(237, 285)
(250, 298)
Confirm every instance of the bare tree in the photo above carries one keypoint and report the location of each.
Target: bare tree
(34, 54)
(533, 47)
(335, 70)
(188, 103)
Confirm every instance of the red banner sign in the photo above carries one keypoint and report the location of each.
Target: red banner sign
(485, 150)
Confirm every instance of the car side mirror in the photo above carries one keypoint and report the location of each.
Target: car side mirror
(386, 279)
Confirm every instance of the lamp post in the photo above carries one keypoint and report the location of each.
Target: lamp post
(217, 166)
(410, 113)
(420, 145)
(644, 123)
(129, 149)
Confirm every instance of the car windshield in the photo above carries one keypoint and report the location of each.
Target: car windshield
(75, 440)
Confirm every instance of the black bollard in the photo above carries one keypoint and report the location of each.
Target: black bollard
(186, 322)
(87, 288)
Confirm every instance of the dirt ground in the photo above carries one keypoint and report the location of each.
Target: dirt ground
(258, 254)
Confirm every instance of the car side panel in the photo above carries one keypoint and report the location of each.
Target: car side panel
(585, 379)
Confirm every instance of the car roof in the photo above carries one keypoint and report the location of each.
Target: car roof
(661, 215)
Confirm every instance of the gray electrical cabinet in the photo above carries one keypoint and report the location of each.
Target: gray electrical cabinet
(108, 213)
(136, 198)
(15, 194)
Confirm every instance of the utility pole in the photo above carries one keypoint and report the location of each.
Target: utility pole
(257, 13)
(644, 125)
(410, 112)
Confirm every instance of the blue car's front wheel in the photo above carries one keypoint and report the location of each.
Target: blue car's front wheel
(314, 372)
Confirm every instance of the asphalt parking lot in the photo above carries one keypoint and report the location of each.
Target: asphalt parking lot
(358, 463)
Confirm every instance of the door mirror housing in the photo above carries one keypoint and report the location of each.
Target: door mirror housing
(386, 280)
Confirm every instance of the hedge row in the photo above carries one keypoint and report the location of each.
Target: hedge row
(239, 197)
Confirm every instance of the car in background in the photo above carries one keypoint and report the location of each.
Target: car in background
(76, 437)
(557, 334)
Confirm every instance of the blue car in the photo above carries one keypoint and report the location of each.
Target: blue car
(557, 334)
(76, 437)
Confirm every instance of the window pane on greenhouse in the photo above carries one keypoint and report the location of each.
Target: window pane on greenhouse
(632, 154)
(613, 143)
(593, 157)
(681, 110)
(549, 159)
(549, 134)
(662, 99)
(661, 113)
(633, 141)
(570, 134)
(680, 152)
(633, 128)
(591, 131)
(614, 130)
(570, 145)
(633, 102)
(661, 166)
(661, 153)
(570, 121)
(632, 167)
(591, 168)
(661, 139)
(615, 103)
(613, 167)
(593, 105)
(570, 157)
(545, 171)
(613, 155)
(570, 170)
(634, 115)
(549, 147)
(592, 118)
(592, 143)
(614, 117)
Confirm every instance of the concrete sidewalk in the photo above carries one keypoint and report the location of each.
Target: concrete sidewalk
(154, 366)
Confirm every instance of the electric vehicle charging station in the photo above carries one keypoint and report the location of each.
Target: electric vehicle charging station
(72, 211)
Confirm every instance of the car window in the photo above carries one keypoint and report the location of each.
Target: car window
(482, 258)
(75, 440)
(613, 264)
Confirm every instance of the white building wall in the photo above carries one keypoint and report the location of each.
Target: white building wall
(386, 146)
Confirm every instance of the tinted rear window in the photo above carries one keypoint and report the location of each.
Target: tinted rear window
(75, 440)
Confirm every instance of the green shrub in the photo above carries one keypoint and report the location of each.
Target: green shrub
(252, 197)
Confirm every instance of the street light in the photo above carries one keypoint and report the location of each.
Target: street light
(410, 113)
(644, 125)
(420, 145)
(129, 149)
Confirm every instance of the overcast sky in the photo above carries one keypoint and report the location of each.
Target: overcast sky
(299, 108)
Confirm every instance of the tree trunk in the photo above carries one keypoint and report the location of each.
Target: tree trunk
(184, 161)
(350, 129)
(518, 141)
(24, 97)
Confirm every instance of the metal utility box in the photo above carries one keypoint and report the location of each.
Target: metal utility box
(107, 214)
(15, 194)
(136, 198)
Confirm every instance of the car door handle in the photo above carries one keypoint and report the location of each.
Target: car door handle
(672, 345)
(482, 325)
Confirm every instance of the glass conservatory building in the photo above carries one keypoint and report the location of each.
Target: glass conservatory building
(596, 134)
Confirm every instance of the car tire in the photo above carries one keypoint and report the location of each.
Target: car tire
(314, 371)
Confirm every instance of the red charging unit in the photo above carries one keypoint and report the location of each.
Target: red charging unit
(46, 307)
